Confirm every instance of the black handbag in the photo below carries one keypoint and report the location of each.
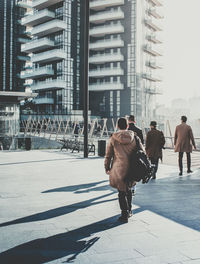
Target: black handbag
(140, 167)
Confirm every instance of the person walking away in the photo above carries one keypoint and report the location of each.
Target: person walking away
(134, 128)
(118, 151)
(138, 131)
(155, 142)
(183, 142)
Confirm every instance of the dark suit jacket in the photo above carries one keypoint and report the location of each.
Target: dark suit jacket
(137, 130)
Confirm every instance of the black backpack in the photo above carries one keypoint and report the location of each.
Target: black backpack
(140, 167)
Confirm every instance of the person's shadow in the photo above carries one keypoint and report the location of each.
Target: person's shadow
(69, 244)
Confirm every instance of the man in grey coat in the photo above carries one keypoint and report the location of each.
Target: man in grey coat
(183, 142)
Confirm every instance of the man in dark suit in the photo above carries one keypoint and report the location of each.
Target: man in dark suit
(134, 128)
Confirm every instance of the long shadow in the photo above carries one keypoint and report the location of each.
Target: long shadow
(81, 188)
(59, 211)
(69, 244)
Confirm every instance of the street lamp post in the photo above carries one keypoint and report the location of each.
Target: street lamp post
(85, 74)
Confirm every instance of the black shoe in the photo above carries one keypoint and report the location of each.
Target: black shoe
(189, 171)
(180, 173)
(124, 217)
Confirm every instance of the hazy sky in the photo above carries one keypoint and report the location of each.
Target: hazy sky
(181, 38)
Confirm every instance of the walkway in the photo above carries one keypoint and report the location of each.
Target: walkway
(58, 208)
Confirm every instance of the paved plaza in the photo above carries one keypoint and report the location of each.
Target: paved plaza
(56, 207)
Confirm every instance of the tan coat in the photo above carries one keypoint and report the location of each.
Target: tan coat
(118, 151)
(155, 141)
(183, 138)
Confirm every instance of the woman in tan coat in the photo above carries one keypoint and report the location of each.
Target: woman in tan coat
(118, 151)
(183, 141)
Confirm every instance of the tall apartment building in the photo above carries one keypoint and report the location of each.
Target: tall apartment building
(55, 55)
(12, 34)
(122, 57)
(12, 61)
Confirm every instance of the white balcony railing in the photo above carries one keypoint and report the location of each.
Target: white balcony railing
(152, 51)
(103, 58)
(111, 43)
(151, 78)
(24, 3)
(49, 28)
(47, 56)
(153, 90)
(106, 16)
(43, 100)
(98, 5)
(108, 29)
(154, 25)
(106, 86)
(41, 4)
(38, 18)
(153, 12)
(153, 65)
(106, 72)
(49, 85)
(154, 39)
(36, 73)
(23, 40)
(156, 2)
(37, 45)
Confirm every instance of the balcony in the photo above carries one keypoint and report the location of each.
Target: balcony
(37, 45)
(155, 14)
(24, 4)
(154, 39)
(23, 58)
(106, 16)
(49, 85)
(106, 72)
(108, 29)
(43, 100)
(156, 2)
(37, 73)
(41, 4)
(151, 25)
(153, 52)
(151, 78)
(48, 56)
(106, 86)
(49, 28)
(23, 40)
(98, 5)
(103, 58)
(153, 65)
(105, 44)
(153, 90)
(38, 18)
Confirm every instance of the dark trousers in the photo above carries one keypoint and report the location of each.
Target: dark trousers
(180, 161)
(155, 162)
(125, 200)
